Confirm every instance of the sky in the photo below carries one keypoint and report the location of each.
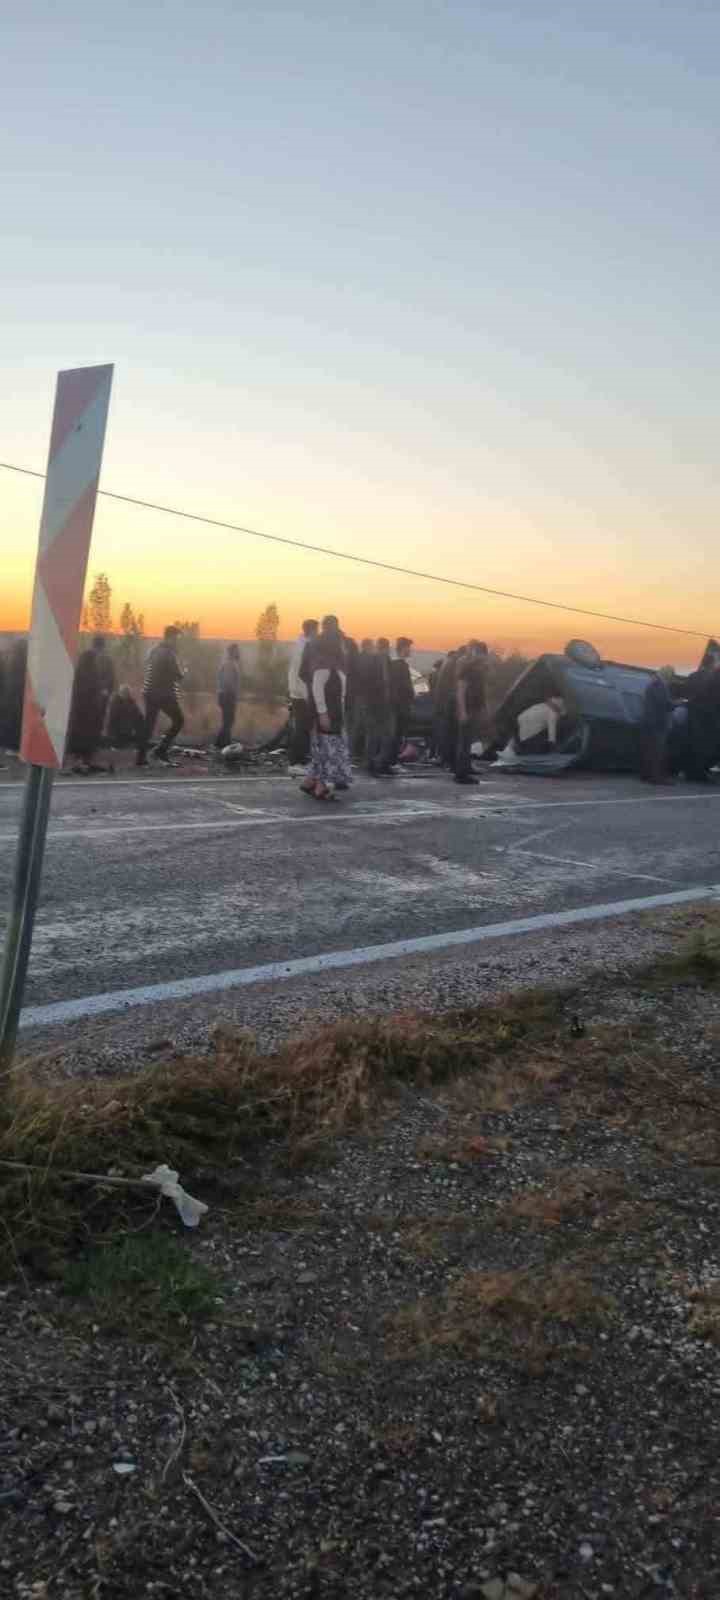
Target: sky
(430, 281)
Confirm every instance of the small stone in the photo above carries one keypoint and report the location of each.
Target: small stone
(63, 1507)
(55, 1414)
(586, 1551)
(494, 1590)
(523, 1588)
(306, 1278)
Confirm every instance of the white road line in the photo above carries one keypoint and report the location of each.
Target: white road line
(593, 866)
(63, 1011)
(260, 819)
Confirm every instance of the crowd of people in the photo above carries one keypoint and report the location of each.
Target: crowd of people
(353, 707)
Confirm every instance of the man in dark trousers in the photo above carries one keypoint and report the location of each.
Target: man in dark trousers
(228, 693)
(444, 717)
(703, 692)
(470, 698)
(402, 696)
(654, 731)
(380, 721)
(363, 679)
(163, 673)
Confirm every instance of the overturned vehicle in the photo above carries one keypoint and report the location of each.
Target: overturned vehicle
(603, 711)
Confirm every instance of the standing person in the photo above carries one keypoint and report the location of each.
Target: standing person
(434, 674)
(703, 691)
(93, 685)
(163, 673)
(299, 697)
(324, 670)
(363, 672)
(380, 722)
(432, 748)
(445, 719)
(228, 694)
(470, 697)
(654, 731)
(402, 696)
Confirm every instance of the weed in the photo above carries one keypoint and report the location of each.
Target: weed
(145, 1284)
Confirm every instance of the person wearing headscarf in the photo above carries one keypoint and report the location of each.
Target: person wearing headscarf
(93, 685)
(324, 670)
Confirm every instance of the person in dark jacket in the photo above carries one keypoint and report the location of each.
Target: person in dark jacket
(126, 723)
(11, 708)
(402, 696)
(444, 711)
(380, 720)
(163, 674)
(92, 688)
(703, 692)
(228, 694)
(654, 731)
(363, 670)
(324, 670)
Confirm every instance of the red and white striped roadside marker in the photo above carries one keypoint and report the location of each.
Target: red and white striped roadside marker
(82, 397)
(76, 445)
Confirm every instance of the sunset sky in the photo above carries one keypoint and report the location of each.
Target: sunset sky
(433, 281)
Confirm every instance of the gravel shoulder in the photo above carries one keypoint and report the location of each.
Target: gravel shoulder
(587, 956)
(469, 1350)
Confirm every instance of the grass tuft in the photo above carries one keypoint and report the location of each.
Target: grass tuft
(520, 1315)
(143, 1284)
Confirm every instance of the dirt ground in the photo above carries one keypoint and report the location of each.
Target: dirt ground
(468, 1348)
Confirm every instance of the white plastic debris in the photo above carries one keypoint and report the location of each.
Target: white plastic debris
(122, 1468)
(189, 1209)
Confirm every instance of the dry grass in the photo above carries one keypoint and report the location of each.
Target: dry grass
(210, 1115)
(704, 1320)
(218, 1117)
(462, 1149)
(521, 1315)
(576, 1194)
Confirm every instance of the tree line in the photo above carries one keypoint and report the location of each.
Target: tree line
(265, 676)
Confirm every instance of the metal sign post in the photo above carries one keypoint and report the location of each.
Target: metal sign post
(82, 397)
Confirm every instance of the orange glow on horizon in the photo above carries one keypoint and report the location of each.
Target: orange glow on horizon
(431, 626)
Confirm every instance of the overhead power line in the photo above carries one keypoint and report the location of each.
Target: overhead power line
(369, 561)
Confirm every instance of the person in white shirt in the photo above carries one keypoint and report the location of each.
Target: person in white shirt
(300, 709)
(537, 727)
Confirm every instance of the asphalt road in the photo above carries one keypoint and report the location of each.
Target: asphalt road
(153, 878)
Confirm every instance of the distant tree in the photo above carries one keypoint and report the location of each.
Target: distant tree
(266, 628)
(270, 667)
(129, 650)
(85, 619)
(668, 673)
(99, 604)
